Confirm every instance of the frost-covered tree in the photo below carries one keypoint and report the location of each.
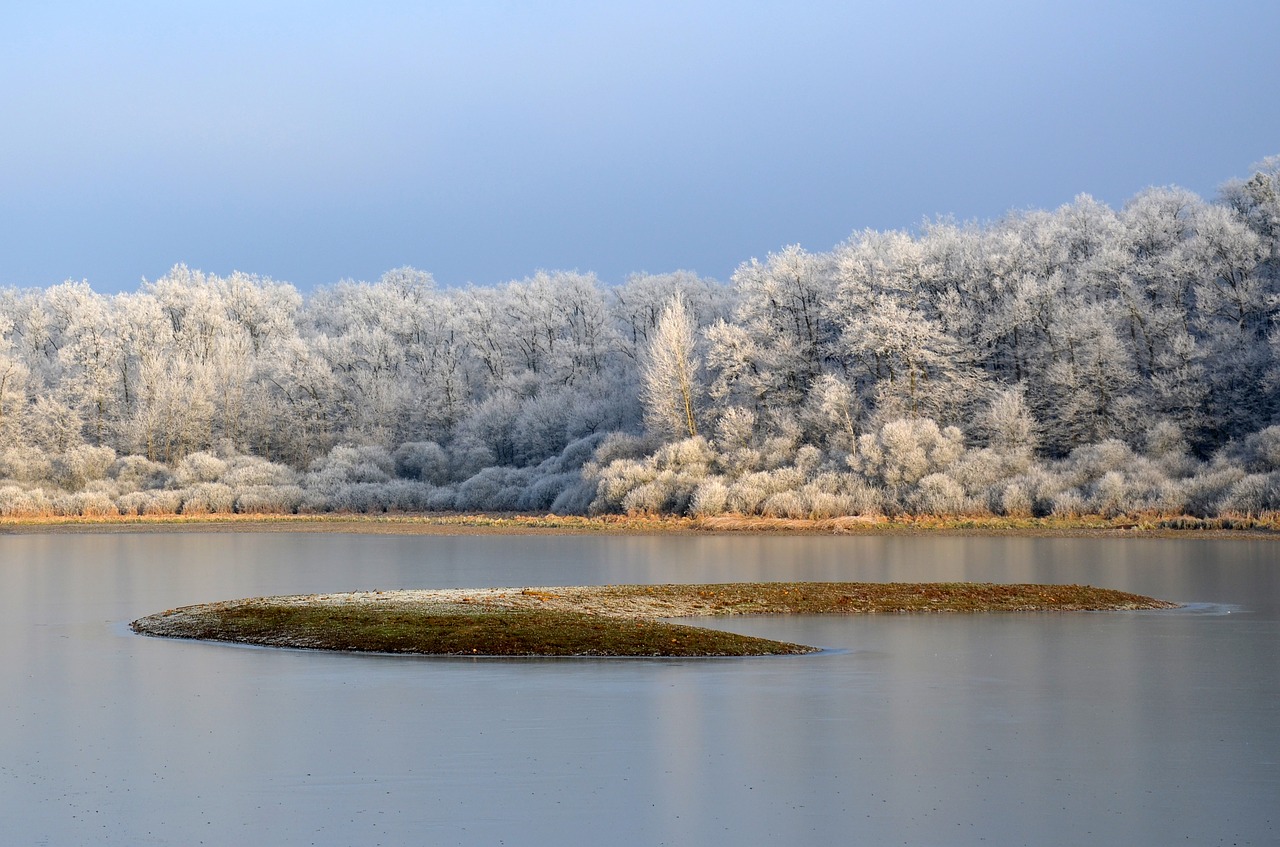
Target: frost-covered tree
(671, 389)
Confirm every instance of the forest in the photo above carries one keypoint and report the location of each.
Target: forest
(1072, 362)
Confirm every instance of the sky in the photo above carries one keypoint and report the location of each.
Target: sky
(482, 141)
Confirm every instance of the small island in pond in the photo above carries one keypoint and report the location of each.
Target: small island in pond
(611, 620)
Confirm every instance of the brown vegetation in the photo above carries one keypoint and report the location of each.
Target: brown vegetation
(613, 620)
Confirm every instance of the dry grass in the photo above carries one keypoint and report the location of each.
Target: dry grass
(1083, 526)
(613, 620)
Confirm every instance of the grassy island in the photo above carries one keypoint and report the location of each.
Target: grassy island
(611, 620)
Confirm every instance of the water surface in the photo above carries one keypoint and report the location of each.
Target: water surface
(1135, 728)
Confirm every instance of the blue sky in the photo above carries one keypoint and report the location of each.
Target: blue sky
(481, 141)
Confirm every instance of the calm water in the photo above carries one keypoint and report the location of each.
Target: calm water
(1120, 728)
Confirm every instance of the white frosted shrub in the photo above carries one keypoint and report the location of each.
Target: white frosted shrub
(580, 451)
(981, 470)
(622, 445)
(541, 427)
(777, 452)
(1092, 461)
(348, 463)
(1252, 496)
(15, 503)
(496, 489)
(1069, 504)
(1043, 486)
(359, 497)
(1165, 439)
(82, 464)
(444, 499)
(162, 502)
(939, 494)
(690, 455)
(808, 460)
(1110, 496)
(252, 472)
(576, 498)
(25, 464)
(1170, 498)
(1016, 501)
(543, 491)
(904, 451)
(88, 504)
(206, 498)
(740, 462)
(133, 502)
(96, 504)
(667, 493)
(491, 423)
(409, 495)
(735, 428)
(1260, 451)
(138, 473)
(105, 487)
(198, 468)
(424, 460)
(314, 502)
(785, 504)
(268, 499)
(616, 480)
(1008, 424)
(710, 498)
(467, 458)
(824, 504)
(747, 495)
(1206, 490)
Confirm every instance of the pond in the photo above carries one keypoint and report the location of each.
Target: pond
(1108, 728)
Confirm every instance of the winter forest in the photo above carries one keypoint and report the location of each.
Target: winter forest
(1078, 361)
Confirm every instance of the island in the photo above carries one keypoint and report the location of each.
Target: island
(609, 620)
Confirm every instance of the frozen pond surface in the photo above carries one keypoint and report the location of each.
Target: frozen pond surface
(1147, 728)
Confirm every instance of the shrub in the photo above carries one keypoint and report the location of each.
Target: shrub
(84, 504)
(1015, 501)
(1252, 496)
(748, 495)
(711, 498)
(15, 503)
(82, 464)
(939, 494)
(1206, 491)
(1260, 451)
(785, 504)
(667, 493)
(543, 491)
(162, 503)
(576, 498)
(1069, 504)
(199, 468)
(268, 499)
(137, 473)
(495, 489)
(25, 464)
(424, 460)
(252, 472)
(1110, 496)
(904, 451)
(208, 498)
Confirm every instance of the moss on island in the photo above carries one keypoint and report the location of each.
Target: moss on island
(611, 620)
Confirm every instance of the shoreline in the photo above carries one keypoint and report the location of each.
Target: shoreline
(524, 524)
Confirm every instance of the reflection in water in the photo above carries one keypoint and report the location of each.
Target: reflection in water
(1137, 728)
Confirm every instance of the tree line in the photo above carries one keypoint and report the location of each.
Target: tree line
(1085, 359)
